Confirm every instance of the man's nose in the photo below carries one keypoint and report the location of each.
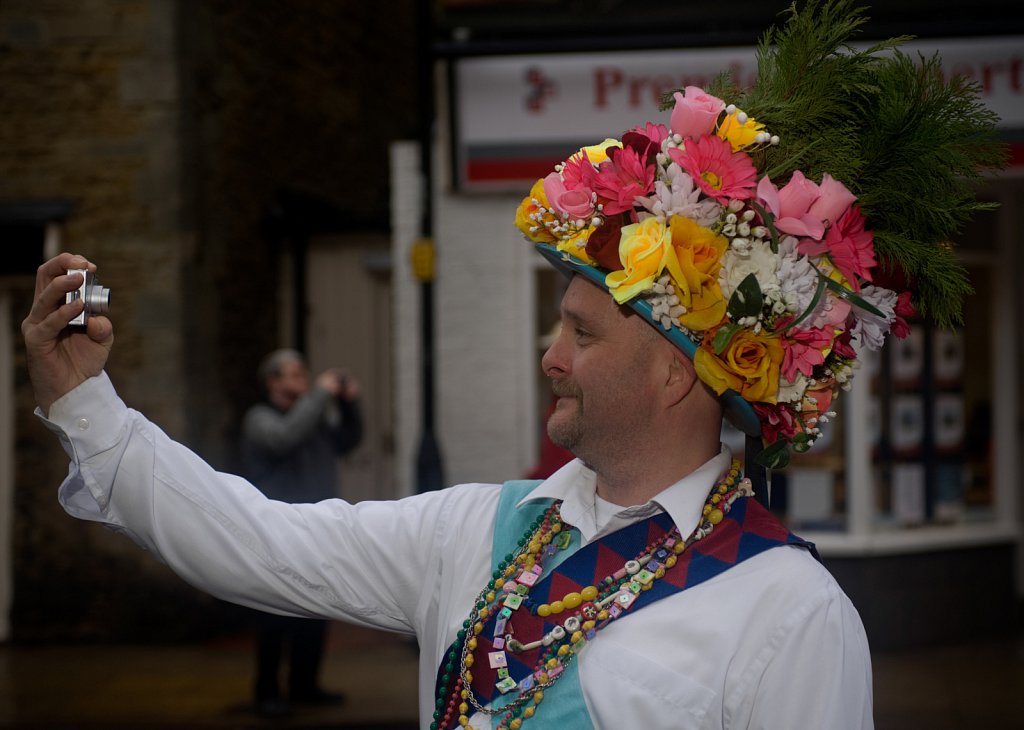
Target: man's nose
(554, 362)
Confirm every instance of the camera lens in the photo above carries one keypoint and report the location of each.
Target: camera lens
(97, 299)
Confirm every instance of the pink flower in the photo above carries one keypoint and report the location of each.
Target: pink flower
(695, 113)
(578, 172)
(850, 247)
(622, 178)
(834, 313)
(720, 172)
(833, 200)
(803, 350)
(577, 204)
(791, 205)
(802, 208)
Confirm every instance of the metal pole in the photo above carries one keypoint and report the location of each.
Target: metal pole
(429, 467)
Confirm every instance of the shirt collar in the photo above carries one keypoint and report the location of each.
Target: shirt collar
(575, 484)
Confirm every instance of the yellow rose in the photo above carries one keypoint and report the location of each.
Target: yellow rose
(643, 251)
(694, 261)
(532, 229)
(749, 365)
(597, 153)
(739, 136)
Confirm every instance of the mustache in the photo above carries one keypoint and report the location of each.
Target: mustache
(564, 389)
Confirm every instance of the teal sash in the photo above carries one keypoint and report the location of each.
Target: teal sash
(747, 530)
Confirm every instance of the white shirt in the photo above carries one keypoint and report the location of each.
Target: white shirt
(771, 643)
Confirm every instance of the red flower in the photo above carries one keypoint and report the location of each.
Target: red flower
(850, 247)
(776, 421)
(843, 348)
(904, 309)
(646, 140)
(603, 244)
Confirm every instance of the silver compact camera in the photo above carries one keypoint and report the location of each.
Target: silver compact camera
(96, 297)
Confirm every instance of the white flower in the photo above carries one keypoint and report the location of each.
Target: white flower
(792, 392)
(665, 306)
(798, 278)
(842, 373)
(678, 195)
(869, 328)
(751, 257)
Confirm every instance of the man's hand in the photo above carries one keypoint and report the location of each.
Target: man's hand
(60, 358)
(339, 383)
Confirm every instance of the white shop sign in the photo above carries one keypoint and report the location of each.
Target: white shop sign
(516, 116)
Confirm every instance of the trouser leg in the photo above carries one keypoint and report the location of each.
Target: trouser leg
(307, 653)
(270, 638)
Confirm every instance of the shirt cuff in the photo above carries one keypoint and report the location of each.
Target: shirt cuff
(87, 420)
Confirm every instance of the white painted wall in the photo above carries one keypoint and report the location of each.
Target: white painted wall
(405, 202)
(485, 352)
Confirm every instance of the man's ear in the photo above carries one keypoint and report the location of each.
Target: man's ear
(682, 377)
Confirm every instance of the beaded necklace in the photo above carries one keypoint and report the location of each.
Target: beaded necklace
(581, 614)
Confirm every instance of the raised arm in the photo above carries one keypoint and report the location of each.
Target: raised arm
(60, 357)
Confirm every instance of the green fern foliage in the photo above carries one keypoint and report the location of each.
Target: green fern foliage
(909, 143)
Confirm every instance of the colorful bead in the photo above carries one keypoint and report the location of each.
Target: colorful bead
(587, 611)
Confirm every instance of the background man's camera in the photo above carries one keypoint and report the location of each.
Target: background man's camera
(96, 297)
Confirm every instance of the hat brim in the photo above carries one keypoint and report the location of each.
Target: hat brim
(738, 411)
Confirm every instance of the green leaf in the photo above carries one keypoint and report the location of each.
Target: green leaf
(843, 293)
(810, 307)
(801, 443)
(746, 301)
(774, 456)
(723, 335)
(769, 222)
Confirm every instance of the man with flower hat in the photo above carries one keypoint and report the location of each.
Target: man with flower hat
(722, 264)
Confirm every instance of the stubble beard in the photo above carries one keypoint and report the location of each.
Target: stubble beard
(566, 430)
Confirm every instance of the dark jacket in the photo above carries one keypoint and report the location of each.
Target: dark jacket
(292, 456)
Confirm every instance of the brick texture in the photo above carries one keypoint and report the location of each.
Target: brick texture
(174, 127)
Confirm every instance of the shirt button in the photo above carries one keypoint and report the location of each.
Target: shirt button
(83, 424)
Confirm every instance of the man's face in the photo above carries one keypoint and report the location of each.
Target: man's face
(600, 367)
(289, 384)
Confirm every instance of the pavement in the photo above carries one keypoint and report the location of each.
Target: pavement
(203, 685)
(207, 685)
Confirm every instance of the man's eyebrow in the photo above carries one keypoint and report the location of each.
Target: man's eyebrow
(574, 316)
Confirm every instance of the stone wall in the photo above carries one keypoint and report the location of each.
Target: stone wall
(302, 97)
(173, 127)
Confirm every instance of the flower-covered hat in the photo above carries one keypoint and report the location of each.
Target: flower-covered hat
(755, 228)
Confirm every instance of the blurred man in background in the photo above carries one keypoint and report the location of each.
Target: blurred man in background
(290, 445)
